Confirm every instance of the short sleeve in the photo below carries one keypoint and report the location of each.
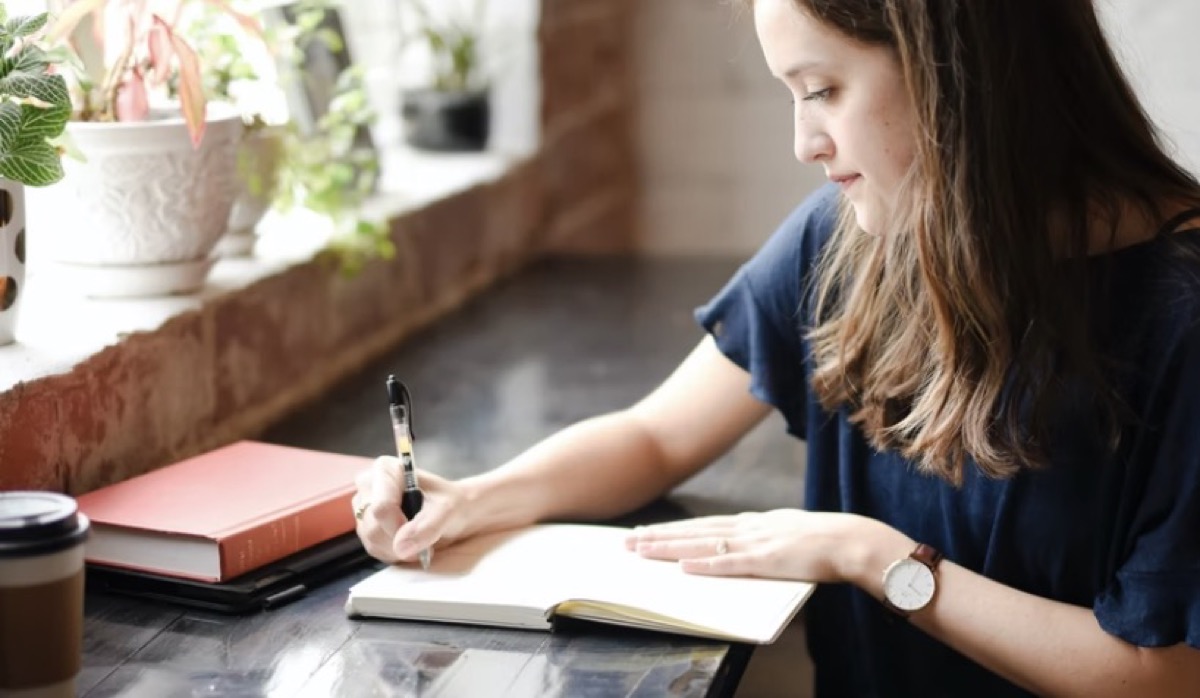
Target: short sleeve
(756, 319)
(1153, 599)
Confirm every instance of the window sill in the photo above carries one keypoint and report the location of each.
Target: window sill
(58, 329)
(97, 391)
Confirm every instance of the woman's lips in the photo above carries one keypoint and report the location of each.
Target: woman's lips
(846, 182)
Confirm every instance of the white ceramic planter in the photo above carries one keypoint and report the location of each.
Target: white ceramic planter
(12, 256)
(260, 153)
(141, 217)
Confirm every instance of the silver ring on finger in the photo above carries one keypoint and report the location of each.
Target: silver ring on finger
(360, 510)
(722, 546)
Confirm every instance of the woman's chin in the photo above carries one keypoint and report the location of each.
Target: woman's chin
(867, 222)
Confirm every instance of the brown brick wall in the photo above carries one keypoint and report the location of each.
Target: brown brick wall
(247, 358)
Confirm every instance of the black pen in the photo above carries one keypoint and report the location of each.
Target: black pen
(400, 408)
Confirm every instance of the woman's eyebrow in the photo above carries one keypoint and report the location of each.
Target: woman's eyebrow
(801, 67)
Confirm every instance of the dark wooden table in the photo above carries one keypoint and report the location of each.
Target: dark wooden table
(563, 341)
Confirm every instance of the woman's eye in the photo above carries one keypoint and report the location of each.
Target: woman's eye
(818, 95)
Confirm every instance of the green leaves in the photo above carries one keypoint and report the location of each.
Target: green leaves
(332, 173)
(34, 104)
(26, 77)
(26, 154)
(453, 45)
(25, 26)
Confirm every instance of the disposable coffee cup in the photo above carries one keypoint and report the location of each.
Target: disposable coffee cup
(41, 594)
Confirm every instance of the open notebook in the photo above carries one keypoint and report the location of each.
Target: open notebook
(526, 577)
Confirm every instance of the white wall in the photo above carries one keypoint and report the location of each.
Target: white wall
(1159, 43)
(715, 128)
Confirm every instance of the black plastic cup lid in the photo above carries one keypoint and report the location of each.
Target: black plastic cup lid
(37, 523)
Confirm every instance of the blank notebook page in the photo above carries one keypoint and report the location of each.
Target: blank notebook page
(542, 566)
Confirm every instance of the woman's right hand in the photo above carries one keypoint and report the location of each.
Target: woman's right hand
(385, 532)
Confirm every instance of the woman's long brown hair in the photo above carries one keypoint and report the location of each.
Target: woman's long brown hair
(954, 333)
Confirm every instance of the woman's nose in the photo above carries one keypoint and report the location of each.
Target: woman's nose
(812, 145)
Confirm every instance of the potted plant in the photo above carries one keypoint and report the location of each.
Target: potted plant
(235, 70)
(34, 107)
(452, 112)
(154, 192)
(331, 173)
(320, 164)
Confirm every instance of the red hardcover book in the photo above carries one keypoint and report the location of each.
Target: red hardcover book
(223, 513)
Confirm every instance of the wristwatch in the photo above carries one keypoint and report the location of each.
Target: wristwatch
(910, 582)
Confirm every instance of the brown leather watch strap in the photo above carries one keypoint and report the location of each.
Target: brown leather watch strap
(928, 555)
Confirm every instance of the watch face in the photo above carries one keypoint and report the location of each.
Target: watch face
(908, 584)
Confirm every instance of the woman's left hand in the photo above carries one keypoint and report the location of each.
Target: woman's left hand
(783, 544)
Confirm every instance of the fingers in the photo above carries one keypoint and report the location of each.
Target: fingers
(385, 495)
(427, 526)
(378, 498)
(683, 526)
(685, 548)
(386, 533)
(710, 527)
(785, 543)
(728, 565)
(709, 555)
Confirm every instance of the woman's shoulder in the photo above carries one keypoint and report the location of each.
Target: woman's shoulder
(1155, 293)
(1164, 272)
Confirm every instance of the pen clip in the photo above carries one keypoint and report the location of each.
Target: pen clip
(401, 400)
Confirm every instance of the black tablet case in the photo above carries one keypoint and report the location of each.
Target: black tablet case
(268, 587)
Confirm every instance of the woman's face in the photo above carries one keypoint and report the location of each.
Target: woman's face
(852, 114)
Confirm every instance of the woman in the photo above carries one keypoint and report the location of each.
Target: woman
(987, 329)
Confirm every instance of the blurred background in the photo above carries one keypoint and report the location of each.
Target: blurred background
(713, 130)
(649, 127)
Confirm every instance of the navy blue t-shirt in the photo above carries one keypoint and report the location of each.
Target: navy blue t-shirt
(1115, 532)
